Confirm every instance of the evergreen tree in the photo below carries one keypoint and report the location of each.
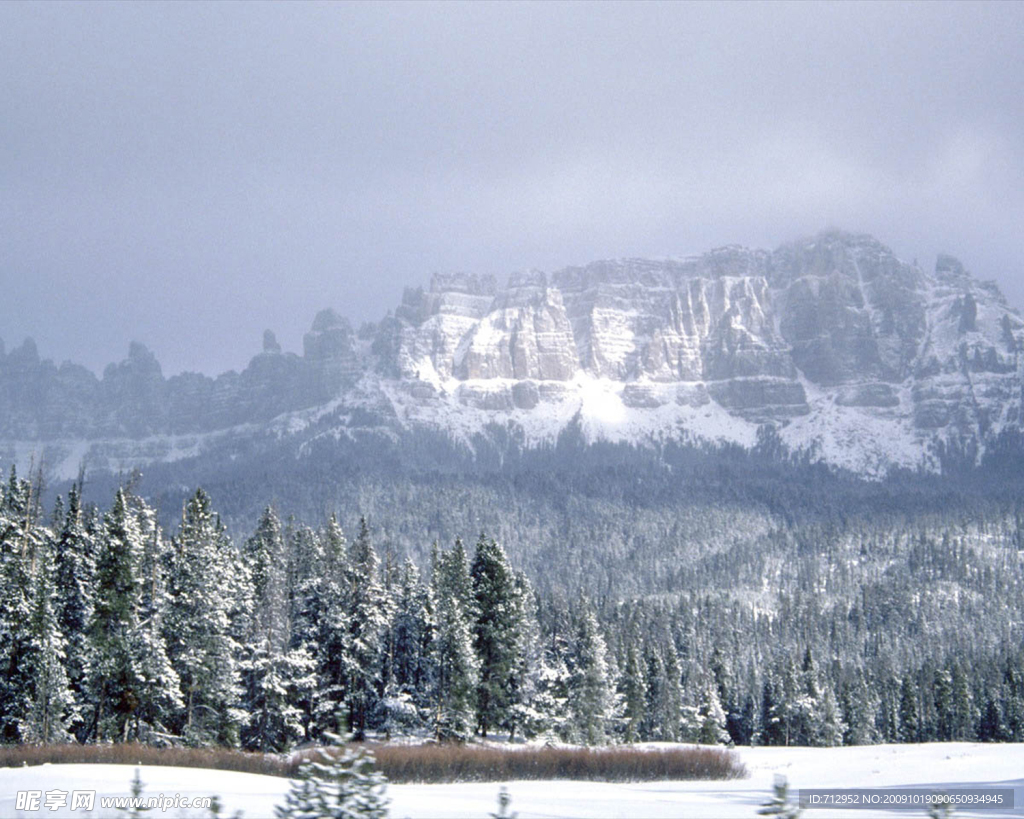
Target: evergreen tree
(342, 784)
(198, 625)
(18, 541)
(857, 705)
(910, 727)
(277, 680)
(274, 676)
(411, 633)
(942, 692)
(332, 644)
(712, 718)
(533, 708)
(74, 559)
(773, 712)
(52, 700)
(455, 566)
(888, 715)
(992, 728)
(455, 663)
(129, 669)
(159, 687)
(831, 726)
(671, 700)
(654, 674)
(368, 619)
(803, 700)
(963, 720)
(589, 694)
(634, 694)
(496, 630)
(747, 729)
(307, 583)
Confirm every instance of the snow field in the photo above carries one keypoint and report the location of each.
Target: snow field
(938, 766)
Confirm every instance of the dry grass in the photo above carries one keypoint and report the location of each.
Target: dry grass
(224, 759)
(421, 763)
(473, 763)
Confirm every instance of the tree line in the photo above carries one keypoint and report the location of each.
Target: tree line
(113, 630)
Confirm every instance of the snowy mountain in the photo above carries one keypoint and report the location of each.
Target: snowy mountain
(854, 357)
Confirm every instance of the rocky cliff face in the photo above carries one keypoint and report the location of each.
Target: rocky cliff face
(854, 356)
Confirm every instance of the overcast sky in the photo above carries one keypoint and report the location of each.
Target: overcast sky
(189, 174)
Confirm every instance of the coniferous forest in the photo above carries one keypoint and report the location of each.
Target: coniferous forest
(116, 628)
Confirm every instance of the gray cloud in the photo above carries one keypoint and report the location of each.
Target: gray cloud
(188, 174)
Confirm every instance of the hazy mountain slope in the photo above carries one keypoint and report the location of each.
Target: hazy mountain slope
(855, 358)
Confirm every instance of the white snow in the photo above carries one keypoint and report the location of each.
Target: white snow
(642, 302)
(63, 458)
(930, 766)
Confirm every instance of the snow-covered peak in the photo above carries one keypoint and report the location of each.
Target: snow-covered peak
(855, 356)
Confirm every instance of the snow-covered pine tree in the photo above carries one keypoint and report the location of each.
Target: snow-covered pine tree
(131, 683)
(532, 707)
(671, 702)
(963, 716)
(496, 633)
(858, 707)
(654, 675)
(831, 725)
(554, 676)
(276, 679)
(458, 578)
(992, 726)
(411, 630)
(796, 705)
(332, 643)
(17, 545)
(342, 784)
(273, 676)
(633, 688)
(454, 661)
(309, 576)
(589, 690)
(746, 730)
(805, 705)
(720, 665)
(52, 701)
(1013, 704)
(396, 713)
(887, 715)
(773, 711)
(74, 566)
(159, 692)
(368, 619)
(942, 692)
(411, 635)
(910, 726)
(307, 571)
(198, 625)
(712, 717)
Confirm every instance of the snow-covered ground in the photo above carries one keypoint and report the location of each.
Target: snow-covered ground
(935, 766)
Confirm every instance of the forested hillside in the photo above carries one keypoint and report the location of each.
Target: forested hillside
(655, 614)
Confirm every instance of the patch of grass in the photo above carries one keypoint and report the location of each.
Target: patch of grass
(421, 763)
(469, 763)
(225, 759)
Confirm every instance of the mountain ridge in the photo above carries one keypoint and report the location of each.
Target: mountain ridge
(854, 357)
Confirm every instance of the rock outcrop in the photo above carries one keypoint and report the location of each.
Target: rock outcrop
(862, 359)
